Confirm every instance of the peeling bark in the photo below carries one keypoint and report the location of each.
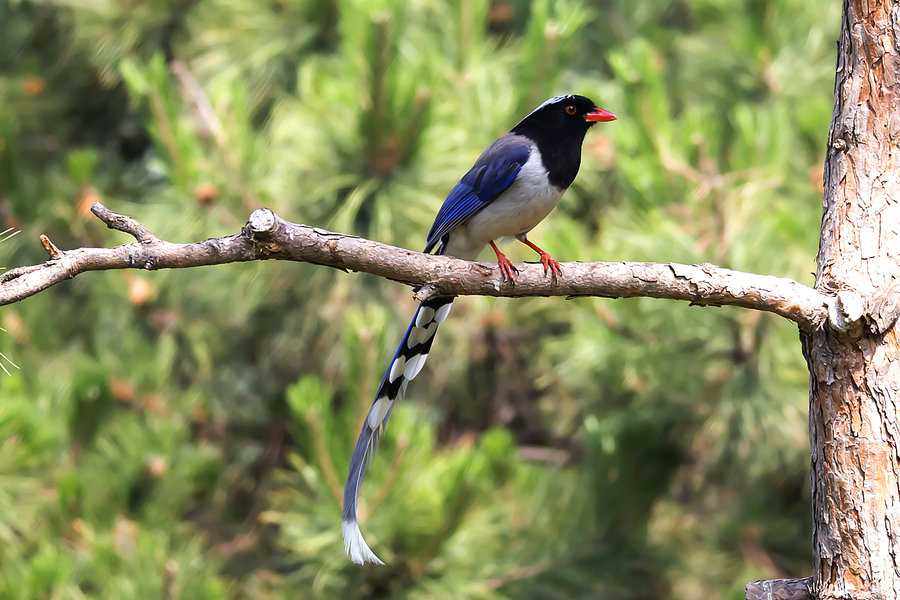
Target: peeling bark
(855, 368)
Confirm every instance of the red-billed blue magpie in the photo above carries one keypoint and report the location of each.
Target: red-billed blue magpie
(513, 185)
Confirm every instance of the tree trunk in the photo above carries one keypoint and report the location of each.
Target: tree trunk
(854, 364)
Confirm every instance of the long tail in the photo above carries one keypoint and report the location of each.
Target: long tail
(406, 364)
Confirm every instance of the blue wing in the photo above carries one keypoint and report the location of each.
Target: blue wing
(493, 173)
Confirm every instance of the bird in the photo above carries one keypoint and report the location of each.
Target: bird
(512, 187)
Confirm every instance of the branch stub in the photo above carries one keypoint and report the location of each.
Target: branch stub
(262, 220)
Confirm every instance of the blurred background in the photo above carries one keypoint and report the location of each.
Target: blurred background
(185, 434)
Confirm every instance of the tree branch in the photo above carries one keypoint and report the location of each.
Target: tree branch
(779, 589)
(123, 223)
(267, 236)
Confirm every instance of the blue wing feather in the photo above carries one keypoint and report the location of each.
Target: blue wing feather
(493, 173)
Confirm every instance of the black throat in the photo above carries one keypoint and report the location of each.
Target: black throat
(560, 149)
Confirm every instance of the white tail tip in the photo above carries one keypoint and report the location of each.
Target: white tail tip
(355, 546)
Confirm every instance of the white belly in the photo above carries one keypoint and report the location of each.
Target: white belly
(516, 211)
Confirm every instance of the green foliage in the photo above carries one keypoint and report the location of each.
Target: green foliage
(185, 434)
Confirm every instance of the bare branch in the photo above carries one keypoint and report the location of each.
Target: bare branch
(205, 112)
(267, 236)
(122, 223)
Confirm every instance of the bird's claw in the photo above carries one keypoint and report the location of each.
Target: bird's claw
(550, 264)
(507, 269)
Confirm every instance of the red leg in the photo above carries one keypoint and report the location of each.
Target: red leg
(548, 262)
(508, 269)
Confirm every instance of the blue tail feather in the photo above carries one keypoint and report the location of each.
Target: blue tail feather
(389, 392)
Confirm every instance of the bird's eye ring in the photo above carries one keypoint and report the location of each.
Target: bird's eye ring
(570, 109)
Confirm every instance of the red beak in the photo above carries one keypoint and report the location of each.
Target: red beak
(598, 114)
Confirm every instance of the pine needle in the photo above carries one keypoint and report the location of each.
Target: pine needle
(5, 235)
(7, 359)
(9, 232)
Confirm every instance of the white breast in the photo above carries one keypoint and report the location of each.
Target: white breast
(518, 210)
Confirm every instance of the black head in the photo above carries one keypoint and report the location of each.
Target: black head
(564, 115)
(557, 127)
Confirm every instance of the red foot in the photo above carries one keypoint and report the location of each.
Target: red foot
(507, 269)
(549, 263)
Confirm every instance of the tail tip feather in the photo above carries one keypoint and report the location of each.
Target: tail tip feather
(356, 547)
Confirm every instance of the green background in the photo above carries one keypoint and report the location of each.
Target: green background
(185, 434)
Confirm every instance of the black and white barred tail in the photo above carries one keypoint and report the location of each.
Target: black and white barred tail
(406, 364)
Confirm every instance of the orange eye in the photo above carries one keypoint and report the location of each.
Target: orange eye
(570, 109)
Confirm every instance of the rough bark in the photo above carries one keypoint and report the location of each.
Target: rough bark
(855, 366)
(267, 236)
